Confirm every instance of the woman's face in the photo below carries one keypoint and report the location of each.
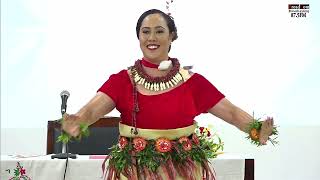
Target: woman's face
(154, 38)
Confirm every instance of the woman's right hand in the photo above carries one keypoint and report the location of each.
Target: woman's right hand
(70, 124)
(266, 130)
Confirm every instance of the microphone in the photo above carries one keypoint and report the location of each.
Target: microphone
(64, 97)
(65, 154)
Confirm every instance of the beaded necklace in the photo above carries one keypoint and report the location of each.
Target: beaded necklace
(139, 76)
(157, 83)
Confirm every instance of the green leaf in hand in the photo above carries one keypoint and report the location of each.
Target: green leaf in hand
(84, 131)
(65, 137)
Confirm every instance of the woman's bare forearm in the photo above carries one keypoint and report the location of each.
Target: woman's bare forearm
(241, 119)
(232, 114)
(95, 109)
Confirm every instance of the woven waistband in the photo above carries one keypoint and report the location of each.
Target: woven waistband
(149, 134)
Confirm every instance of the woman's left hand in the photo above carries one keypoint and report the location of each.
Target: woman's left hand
(266, 130)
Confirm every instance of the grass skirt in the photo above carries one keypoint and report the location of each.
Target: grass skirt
(174, 154)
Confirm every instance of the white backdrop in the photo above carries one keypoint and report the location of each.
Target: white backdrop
(254, 52)
(262, 59)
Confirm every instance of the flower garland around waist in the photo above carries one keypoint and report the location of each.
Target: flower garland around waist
(151, 154)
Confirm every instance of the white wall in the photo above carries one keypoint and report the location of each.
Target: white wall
(253, 51)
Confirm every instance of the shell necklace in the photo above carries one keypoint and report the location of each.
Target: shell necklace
(157, 83)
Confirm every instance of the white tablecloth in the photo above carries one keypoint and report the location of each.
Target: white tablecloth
(227, 167)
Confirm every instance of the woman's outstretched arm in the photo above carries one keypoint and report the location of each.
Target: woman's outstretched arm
(232, 114)
(96, 108)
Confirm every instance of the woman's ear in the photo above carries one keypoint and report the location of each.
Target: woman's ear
(171, 36)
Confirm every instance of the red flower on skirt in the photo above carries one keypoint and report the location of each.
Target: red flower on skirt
(201, 129)
(123, 142)
(195, 139)
(163, 145)
(186, 143)
(208, 134)
(139, 144)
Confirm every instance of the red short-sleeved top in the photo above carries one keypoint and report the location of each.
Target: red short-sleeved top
(173, 109)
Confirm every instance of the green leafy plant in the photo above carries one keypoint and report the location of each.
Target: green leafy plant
(65, 137)
(200, 147)
(254, 133)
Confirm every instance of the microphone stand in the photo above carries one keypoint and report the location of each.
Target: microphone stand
(64, 152)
